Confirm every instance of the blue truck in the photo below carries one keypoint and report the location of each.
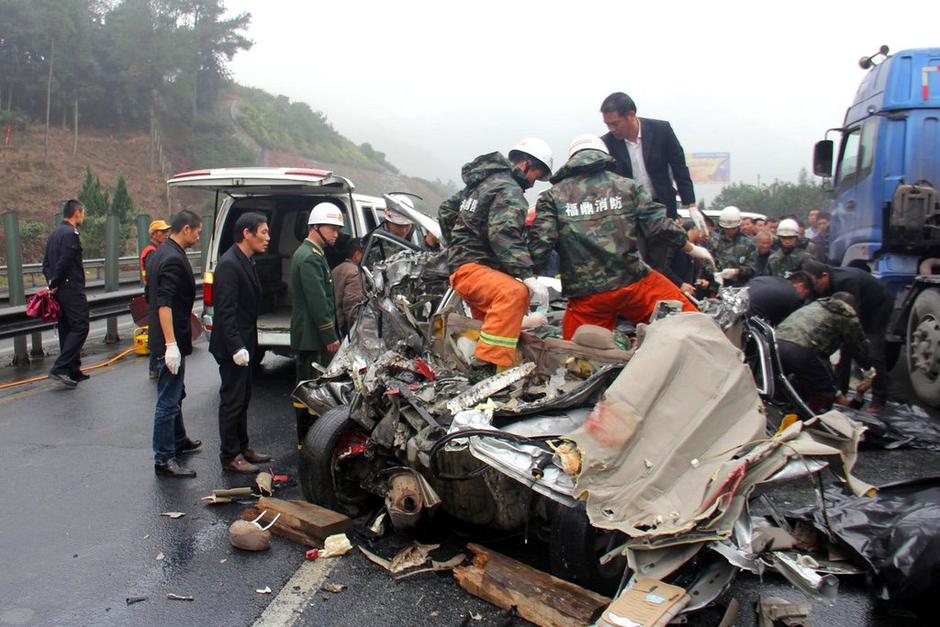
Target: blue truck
(885, 212)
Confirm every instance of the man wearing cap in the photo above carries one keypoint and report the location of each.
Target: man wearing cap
(789, 257)
(159, 230)
(313, 334)
(593, 218)
(735, 253)
(484, 226)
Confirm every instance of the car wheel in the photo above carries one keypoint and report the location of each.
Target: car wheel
(923, 347)
(577, 546)
(332, 463)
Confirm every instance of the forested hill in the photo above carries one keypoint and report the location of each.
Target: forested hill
(152, 75)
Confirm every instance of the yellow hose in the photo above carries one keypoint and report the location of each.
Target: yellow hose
(43, 378)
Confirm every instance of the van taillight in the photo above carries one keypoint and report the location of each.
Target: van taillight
(207, 279)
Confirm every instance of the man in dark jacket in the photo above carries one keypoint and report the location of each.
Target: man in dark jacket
(234, 341)
(65, 276)
(874, 305)
(484, 227)
(593, 218)
(347, 286)
(171, 291)
(773, 298)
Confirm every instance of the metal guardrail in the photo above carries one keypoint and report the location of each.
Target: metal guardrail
(101, 305)
(34, 280)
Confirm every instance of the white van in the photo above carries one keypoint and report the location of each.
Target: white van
(285, 196)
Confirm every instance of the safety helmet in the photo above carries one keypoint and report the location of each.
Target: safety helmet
(396, 218)
(537, 149)
(788, 228)
(326, 213)
(586, 141)
(730, 217)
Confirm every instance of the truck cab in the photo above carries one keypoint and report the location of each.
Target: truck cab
(885, 176)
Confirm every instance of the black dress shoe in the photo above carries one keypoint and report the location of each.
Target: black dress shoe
(188, 446)
(173, 469)
(79, 376)
(63, 379)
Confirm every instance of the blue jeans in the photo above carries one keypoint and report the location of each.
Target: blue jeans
(168, 429)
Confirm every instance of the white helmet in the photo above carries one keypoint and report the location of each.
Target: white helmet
(586, 141)
(537, 149)
(326, 213)
(393, 216)
(730, 217)
(788, 228)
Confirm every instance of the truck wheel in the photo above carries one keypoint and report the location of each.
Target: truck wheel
(577, 546)
(923, 347)
(332, 463)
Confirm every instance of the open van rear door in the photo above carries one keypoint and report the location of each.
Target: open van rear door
(240, 182)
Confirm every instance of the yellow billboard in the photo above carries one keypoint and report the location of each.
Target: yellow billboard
(709, 167)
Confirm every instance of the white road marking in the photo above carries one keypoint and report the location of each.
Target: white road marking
(287, 607)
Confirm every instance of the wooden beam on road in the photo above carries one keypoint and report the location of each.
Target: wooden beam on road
(301, 522)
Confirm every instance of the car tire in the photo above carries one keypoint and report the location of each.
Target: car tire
(576, 546)
(923, 347)
(322, 479)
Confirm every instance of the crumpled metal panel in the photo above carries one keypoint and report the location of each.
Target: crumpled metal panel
(680, 409)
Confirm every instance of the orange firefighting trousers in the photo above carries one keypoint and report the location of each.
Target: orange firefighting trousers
(634, 302)
(500, 301)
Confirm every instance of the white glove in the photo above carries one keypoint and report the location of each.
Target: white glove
(701, 254)
(241, 357)
(530, 321)
(868, 373)
(698, 219)
(172, 358)
(729, 273)
(538, 292)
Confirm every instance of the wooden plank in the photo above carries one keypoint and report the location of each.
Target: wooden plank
(313, 520)
(281, 529)
(537, 596)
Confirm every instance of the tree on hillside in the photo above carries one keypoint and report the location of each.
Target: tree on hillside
(775, 200)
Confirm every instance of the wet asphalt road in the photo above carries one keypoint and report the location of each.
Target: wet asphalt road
(80, 526)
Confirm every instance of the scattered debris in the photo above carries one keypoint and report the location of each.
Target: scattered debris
(227, 495)
(648, 603)
(281, 478)
(312, 554)
(436, 567)
(159, 557)
(223, 561)
(415, 554)
(377, 527)
(336, 545)
(249, 535)
(133, 600)
(179, 597)
(299, 521)
(375, 559)
(173, 515)
(264, 480)
(773, 611)
(537, 596)
(264, 590)
(333, 587)
(474, 616)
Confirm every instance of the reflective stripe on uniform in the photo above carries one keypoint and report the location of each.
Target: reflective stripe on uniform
(497, 340)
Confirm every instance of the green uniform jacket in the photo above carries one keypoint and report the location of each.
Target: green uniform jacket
(313, 314)
(485, 222)
(783, 261)
(593, 217)
(740, 252)
(827, 325)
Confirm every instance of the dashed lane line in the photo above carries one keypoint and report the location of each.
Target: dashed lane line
(287, 607)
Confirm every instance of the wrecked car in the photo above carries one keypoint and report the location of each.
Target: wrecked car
(627, 456)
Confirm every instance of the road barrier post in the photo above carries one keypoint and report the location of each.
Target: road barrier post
(11, 233)
(143, 232)
(112, 242)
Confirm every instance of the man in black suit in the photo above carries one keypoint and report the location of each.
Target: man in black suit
(648, 152)
(234, 340)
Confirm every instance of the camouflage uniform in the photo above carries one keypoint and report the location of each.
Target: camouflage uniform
(484, 226)
(739, 252)
(593, 217)
(485, 222)
(784, 261)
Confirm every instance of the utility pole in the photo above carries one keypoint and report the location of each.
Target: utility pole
(45, 154)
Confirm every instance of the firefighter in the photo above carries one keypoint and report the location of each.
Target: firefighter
(484, 225)
(735, 253)
(593, 218)
(788, 258)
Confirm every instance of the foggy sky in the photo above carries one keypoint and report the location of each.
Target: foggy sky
(433, 84)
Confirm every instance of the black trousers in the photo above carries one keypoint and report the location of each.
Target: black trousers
(811, 374)
(73, 328)
(234, 396)
(879, 386)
